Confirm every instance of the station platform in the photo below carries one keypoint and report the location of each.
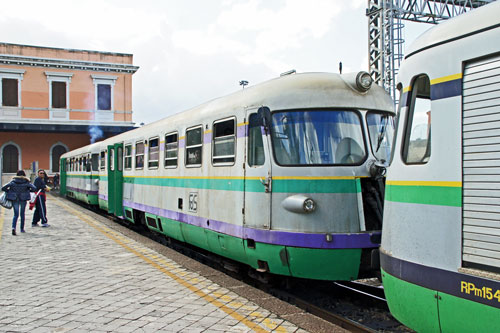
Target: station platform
(86, 273)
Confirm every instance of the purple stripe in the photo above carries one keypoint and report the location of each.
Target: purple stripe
(182, 143)
(309, 240)
(74, 189)
(103, 197)
(207, 137)
(241, 131)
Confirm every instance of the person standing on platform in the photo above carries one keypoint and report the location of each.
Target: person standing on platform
(18, 191)
(40, 207)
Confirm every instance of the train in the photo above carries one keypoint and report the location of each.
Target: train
(440, 251)
(286, 177)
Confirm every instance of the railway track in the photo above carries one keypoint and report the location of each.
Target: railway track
(354, 306)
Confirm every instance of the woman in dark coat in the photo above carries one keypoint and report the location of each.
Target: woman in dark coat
(18, 191)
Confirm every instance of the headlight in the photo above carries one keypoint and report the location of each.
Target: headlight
(299, 203)
(309, 205)
(363, 81)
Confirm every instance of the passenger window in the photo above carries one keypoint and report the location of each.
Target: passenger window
(171, 150)
(417, 146)
(102, 160)
(194, 145)
(128, 157)
(255, 144)
(112, 159)
(153, 153)
(95, 162)
(223, 142)
(119, 160)
(88, 164)
(139, 155)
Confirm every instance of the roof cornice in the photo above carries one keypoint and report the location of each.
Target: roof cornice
(16, 60)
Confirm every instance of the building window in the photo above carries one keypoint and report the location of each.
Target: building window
(153, 153)
(223, 143)
(139, 155)
(104, 97)
(59, 89)
(9, 92)
(417, 146)
(171, 150)
(194, 145)
(104, 85)
(59, 95)
(10, 86)
(10, 159)
(55, 155)
(128, 157)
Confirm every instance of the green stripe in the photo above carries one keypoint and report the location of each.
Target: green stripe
(84, 176)
(314, 186)
(103, 178)
(253, 185)
(427, 195)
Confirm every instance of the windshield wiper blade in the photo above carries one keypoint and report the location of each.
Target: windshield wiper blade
(381, 134)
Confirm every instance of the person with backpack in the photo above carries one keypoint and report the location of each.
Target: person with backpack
(18, 191)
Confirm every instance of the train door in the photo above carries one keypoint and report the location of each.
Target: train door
(62, 185)
(115, 179)
(258, 174)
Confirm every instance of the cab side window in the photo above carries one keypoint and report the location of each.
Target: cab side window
(417, 144)
(255, 145)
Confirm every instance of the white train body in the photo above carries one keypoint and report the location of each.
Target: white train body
(287, 198)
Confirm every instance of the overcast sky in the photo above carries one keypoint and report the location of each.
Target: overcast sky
(192, 51)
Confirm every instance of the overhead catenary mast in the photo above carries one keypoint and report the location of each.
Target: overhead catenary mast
(386, 31)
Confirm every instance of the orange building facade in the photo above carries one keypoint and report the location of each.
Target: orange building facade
(53, 100)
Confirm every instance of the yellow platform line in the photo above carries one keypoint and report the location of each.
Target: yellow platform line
(214, 300)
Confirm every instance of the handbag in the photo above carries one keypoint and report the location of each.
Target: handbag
(4, 202)
(33, 199)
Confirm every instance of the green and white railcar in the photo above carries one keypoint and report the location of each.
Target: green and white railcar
(440, 251)
(79, 174)
(284, 176)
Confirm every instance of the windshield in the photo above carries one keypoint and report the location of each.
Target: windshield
(381, 130)
(317, 138)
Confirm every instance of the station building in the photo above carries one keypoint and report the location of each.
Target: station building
(53, 100)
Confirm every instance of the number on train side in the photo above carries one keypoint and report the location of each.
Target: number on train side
(193, 202)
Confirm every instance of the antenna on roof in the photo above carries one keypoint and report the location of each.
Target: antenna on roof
(243, 83)
(293, 71)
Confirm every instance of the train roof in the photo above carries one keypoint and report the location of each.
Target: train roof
(295, 91)
(475, 21)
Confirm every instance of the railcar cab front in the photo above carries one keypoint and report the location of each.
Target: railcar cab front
(325, 179)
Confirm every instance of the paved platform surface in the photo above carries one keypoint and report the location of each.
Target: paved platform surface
(80, 275)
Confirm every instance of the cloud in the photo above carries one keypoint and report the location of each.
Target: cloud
(287, 25)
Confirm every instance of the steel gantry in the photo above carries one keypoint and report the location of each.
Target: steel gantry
(386, 28)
